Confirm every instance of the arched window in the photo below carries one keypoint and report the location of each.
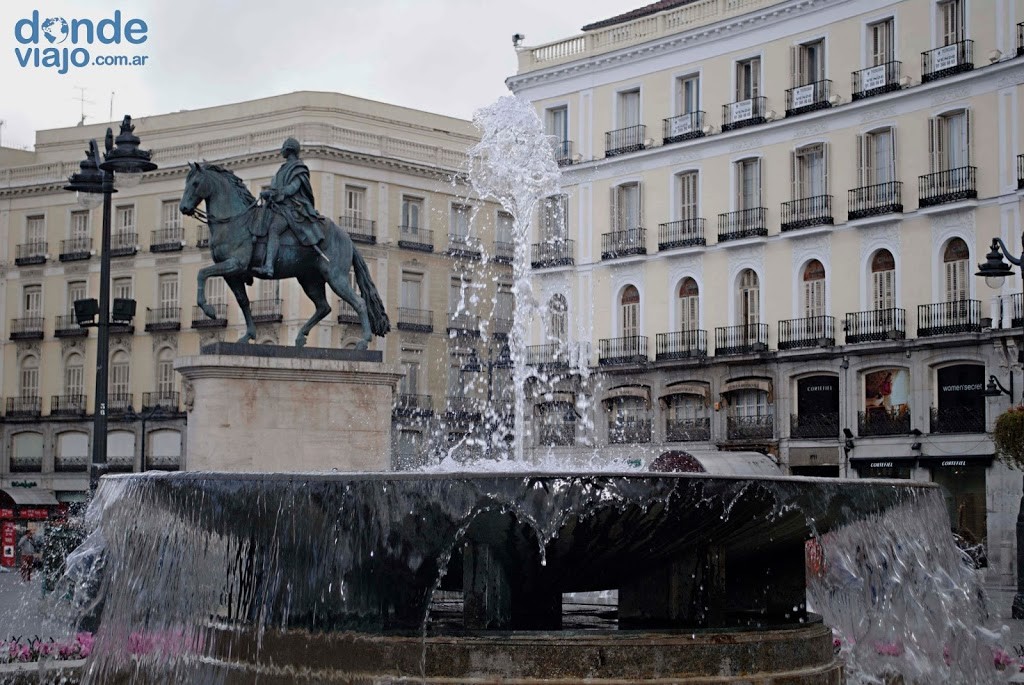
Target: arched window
(165, 372)
(27, 453)
(72, 452)
(956, 269)
(120, 370)
(121, 451)
(28, 378)
(883, 280)
(558, 324)
(749, 309)
(689, 305)
(74, 375)
(164, 451)
(814, 289)
(686, 418)
(630, 311)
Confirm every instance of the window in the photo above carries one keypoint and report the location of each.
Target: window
(504, 307)
(76, 291)
(167, 291)
(412, 290)
(409, 443)
(689, 208)
(629, 108)
(125, 220)
(688, 94)
(355, 205)
(460, 220)
(170, 217)
(555, 217)
(35, 229)
(883, 280)
(810, 171)
(749, 403)
(28, 378)
(410, 383)
(688, 306)
(558, 314)
(749, 298)
(956, 266)
(504, 228)
(412, 212)
(748, 184)
(881, 48)
(119, 373)
(686, 418)
(748, 79)
(269, 290)
(808, 63)
(557, 122)
(122, 288)
(814, 289)
(457, 299)
(79, 225)
(626, 211)
(951, 21)
(629, 421)
(32, 301)
(629, 305)
(876, 157)
(216, 290)
(949, 141)
(165, 372)
(74, 375)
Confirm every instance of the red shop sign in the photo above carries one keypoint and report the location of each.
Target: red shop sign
(6, 513)
(7, 539)
(33, 513)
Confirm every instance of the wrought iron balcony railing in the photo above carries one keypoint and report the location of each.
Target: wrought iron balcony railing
(201, 320)
(67, 405)
(66, 326)
(742, 113)
(563, 152)
(824, 425)
(346, 313)
(64, 463)
(552, 253)
(808, 98)
(623, 140)
(123, 243)
(947, 186)
(463, 245)
(957, 420)
(683, 127)
(681, 345)
(165, 462)
(875, 200)
(75, 249)
(875, 325)
(807, 212)
(557, 434)
(167, 240)
(419, 320)
(202, 236)
(744, 223)
(744, 339)
(168, 400)
(632, 241)
(1017, 310)
(948, 60)
(811, 331)
(629, 431)
(551, 355)
(28, 254)
(463, 323)
(413, 405)
(504, 252)
(684, 233)
(120, 463)
(461, 406)
(163, 319)
(750, 427)
(631, 349)
(687, 430)
(266, 311)
(28, 328)
(882, 421)
(877, 80)
(120, 403)
(947, 318)
(24, 407)
(26, 464)
(360, 230)
(415, 238)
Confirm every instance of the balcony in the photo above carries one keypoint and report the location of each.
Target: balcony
(26, 407)
(413, 405)
(463, 246)
(685, 233)
(553, 253)
(558, 433)
(808, 98)
(629, 431)
(163, 319)
(744, 223)
(66, 326)
(462, 407)
(70, 406)
(875, 200)
(882, 421)
(418, 320)
(750, 427)
(617, 244)
(807, 212)
(78, 463)
(75, 249)
(266, 311)
(202, 236)
(29, 328)
(120, 403)
(168, 400)
(347, 314)
(631, 349)
(26, 464)
(745, 339)
(957, 420)
(170, 239)
(624, 140)
(949, 318)
(166, 462)
(688, 430)
(201, 320)
(681, 345)
(1017, 310)
(120, 463)
(951, 185)
(463, 323)
(501, 326)
(124, 243)
(877, 80)
(811, 331)
(744, 113)
(504, 252)
(875, 325)
(683, 127)
(553, 355)
(360, 230)
(814, 426)
(563, 152)
(28, 254)
(415, 238)
(948, 60)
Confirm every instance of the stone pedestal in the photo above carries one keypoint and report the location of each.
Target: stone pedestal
(265, 408)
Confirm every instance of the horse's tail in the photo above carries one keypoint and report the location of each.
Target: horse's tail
(379, 322)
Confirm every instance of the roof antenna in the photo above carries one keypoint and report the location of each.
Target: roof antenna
(81, 99)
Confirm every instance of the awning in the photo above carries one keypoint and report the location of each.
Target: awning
(826, 455)
(699, 389)
(763, 384)
(639, 391)
(883, 462)
(947, 461)
(721, 463)
(32, 497)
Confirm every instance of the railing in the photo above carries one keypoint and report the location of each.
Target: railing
(66, 326)
(957, 420)
(683, 127)
(71, 463)
(681, 345)
(875, 325)
(630, 349)
(948, 60)
(463, 406)
(463, 322)
(807, 212)
(166, 462)
(463, 245)
(750, 427)
(202, 236)
(360, 230)
(24, 407)
(415, 238)
(504, 252)
(120, 463)
(556, 434)
(120, 403)
(874, 200)
(266, 311)
(163, 319)
(744, 339)
(824, 425)
(75, 249)
(808, 97)
(28, 254)
(420, 320)
(67, 405)
(347, 313)
(563, 152)
(1020, 39)
(29, 328)
(26, 464)
(947, 186)
(552, 253)
(882, 421)
(407, 404)
(623, 140)
(628, 431)
(123, 243)
(811, 331)
(742, 113)
(947, 318)
(687, 430)
(551, 355)
(632, 241)
(201, 320)
(884, 78)
(161, 399)
(167, 240)
(684, 233)
(1017, 310)
(744, 223)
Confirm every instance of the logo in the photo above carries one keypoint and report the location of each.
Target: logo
(38, 39)
(55, 29)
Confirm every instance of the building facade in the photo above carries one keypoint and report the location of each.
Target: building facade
(773, 215)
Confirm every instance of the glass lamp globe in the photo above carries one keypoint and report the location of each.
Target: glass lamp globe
(88, 200)
(995, 282)
(127, 179)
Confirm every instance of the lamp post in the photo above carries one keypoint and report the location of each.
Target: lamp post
(97, 178)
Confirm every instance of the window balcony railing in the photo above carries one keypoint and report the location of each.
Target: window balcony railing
(882, 421)
(744, 223)
(75, 249)
(877, 80)
(947, 186)
(463, 245)
(623, 140)
(120, 463)
(808, 98)
(346, 313)
(120, 403)
(169, 400)
(463, 407)
(26, 464)
(875, 325)
(683, 127)
(681, 345)
(463, 323)
(875, 200)
(948, 318)
(162, 462)
(556, 434)
(501, 326)
(631, 349)
(810, 331)
(266, 311)
(413, 405)
(28, 328)
(553, 355)
(687, 430)
(76, 463)
(684, 233)
(744, 113)
(1020, 172)
(807, 212)
(563, 152)
(632, 241)
(552, 253)
(948, 60)
(124, 243)
(167, 240)
(418, 320)
(28, 254)
(66, 326)
(163, 319)
(745, 339)
(360, 230)
(825, 425)
(202, 236)
(504, 252)
(1017, 310)
(67, 405)
(957, 420)
(415, 238)
(24, 407)
(750, 427)
(629, 431)
(201, 320)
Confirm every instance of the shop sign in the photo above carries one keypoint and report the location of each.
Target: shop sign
(8, 535)
(817, 395)
(6, 513)
(23, 483)
(953, 462)
(34, 513)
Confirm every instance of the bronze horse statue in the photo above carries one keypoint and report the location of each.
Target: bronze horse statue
(233, 215)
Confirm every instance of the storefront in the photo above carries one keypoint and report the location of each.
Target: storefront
(963, 480)
(24, 508)
(887, 467)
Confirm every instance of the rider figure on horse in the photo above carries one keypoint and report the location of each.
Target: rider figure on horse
(290, 195)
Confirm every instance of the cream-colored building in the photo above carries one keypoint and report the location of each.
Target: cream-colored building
(774, 214)
(388, 174)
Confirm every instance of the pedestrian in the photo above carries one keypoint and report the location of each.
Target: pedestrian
(27, 549)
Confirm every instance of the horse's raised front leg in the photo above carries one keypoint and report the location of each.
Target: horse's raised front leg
(226, 268)
(237, 284)
(314, 287)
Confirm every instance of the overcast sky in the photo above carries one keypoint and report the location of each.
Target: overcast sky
(445, 56)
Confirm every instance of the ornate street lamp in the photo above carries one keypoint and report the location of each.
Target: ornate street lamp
(128, 162)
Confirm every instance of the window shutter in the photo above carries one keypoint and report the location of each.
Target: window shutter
(757, 182)
(755, 77)
(794, 165)
(967, 156)
(613, 208)
(639, 205)
(935, 143)
(824, 168)
(862, 155)
(892, 154)
(794, 65)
